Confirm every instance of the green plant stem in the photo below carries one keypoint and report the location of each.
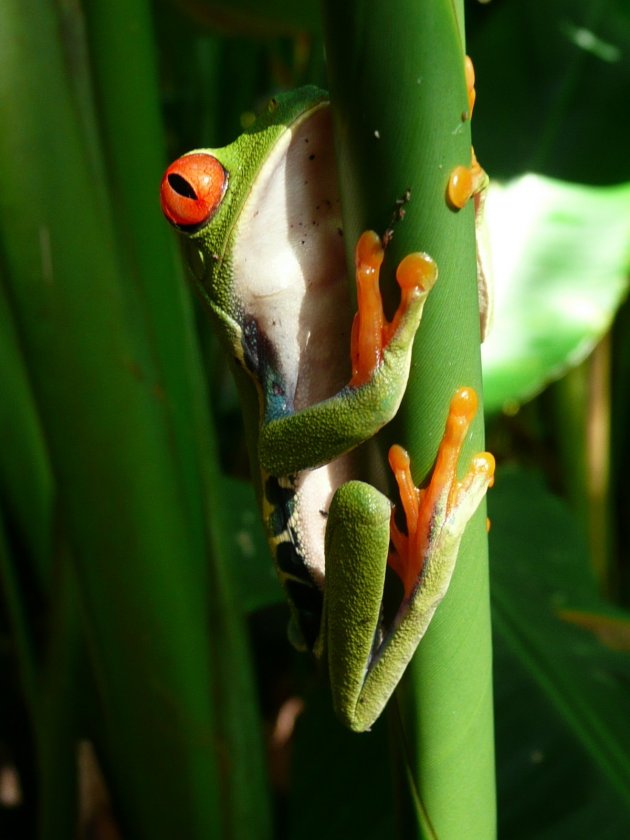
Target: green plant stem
(398, 94)
(580, 406)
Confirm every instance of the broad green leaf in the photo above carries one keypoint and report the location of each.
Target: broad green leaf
(560, 256)
(548, 785)
(540, 569)
(551, 80)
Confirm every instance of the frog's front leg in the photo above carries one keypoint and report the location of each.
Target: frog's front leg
(471, 182)
(381, 355)
(466, 182)
(365, 658)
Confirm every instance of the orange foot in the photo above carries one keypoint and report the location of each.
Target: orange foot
(371, 331)
(467, 181)
(447, 503)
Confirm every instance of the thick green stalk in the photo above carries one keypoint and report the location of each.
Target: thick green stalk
(399, 98)
(580, 405)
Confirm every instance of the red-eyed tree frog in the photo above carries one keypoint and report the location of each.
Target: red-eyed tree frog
(261, 220)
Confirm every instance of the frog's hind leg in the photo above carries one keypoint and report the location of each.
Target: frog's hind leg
(357, 546)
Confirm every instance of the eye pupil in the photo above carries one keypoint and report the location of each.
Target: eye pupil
(181, 186)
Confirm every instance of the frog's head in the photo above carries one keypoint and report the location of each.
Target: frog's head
(204, 193)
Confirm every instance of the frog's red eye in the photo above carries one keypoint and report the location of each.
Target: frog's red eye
(192, 190)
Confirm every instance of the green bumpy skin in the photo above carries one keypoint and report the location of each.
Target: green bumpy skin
(263, 235)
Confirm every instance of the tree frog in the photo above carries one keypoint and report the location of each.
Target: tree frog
(261, 222)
